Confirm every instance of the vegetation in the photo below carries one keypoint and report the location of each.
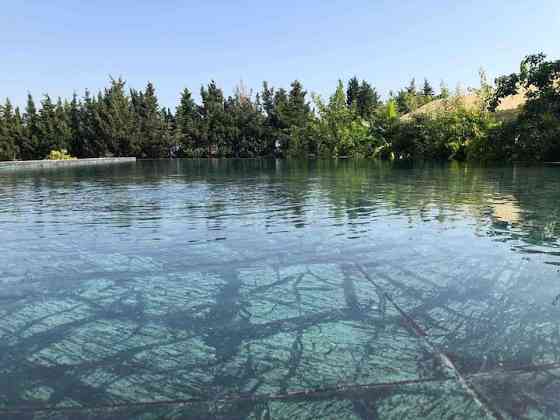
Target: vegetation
(60, 155)
(353, 122)
(536, 131)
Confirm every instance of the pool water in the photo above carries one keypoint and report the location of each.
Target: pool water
(271, 289)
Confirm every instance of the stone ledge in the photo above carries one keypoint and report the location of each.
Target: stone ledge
(31, 164)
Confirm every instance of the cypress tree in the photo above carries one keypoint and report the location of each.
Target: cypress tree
(77, 144)
(18, 132)
(152, 139)
(411, 88)
(353, 92)
(367, 101)
(245, 127)
(29, 145)
(63, 131)
(213, 118)
(444, 91)
(298, 109)
(187, 132)
(271, 121)
(48, 134)
(92, 141)
(427, 90)
(8, 149)
(115, 120)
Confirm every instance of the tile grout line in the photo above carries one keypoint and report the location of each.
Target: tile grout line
(419, 332)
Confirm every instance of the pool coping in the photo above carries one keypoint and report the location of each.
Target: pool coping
(41, 164)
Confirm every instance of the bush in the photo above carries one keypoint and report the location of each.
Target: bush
(60, 155)
(450, 134)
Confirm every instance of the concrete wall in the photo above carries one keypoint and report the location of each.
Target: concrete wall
(32, 164)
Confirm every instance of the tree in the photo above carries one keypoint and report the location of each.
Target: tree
(270, 130)
(535, 133)
(353, 92)
(49, 128)
(62, 128)
(406, 102)
(427, 90)
(338, 131)
(298, 110)
(368, 100)
(444, 91)
(28, 147)
(411, 88)
(538, 79)
(287, 115)
(74, 114)
(275, 121)
(150, 138)
(187, 117)
(213, 117)
(245, 125)
(92, 134)
(115, 120)
(8, 148)
(485, 91)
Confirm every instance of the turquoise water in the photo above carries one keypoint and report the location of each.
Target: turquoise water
(262, 289)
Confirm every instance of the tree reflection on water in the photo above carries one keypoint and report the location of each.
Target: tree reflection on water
(348, 290)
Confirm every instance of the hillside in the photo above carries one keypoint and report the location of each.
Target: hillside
(508, 108)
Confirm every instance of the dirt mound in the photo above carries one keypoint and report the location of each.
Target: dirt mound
(508, 108)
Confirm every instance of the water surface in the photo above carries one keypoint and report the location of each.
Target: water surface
(256, 289)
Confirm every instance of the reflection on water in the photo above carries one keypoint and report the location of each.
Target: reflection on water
(271, 289)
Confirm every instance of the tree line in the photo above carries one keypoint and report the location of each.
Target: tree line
(354, 121)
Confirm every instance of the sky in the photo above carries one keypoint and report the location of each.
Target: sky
(62, 46)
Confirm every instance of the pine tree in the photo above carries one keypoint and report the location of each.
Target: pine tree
(246, 125)
(63, 131)
(8, 148)
(368, 100)
(151, 135)
(47, 124)
(29, 145)
(267, 99)
(187, 117)
(427, 90)
(77, 144)
(18, 132)
(213, 119)
(270, 124)
(403, 102)
(444, 91)
(353, 92)
(408, 99)
(93, 131)
(411, 88)
(115, 121)
(298, 109)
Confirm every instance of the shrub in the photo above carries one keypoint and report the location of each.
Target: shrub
(61, 154)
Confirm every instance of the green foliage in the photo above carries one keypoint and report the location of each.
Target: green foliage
(450, 134)
(8, 149)
(60, 155)
(362, 98)
(151, 138)
(443, 91)
(279, 122)
(535, 134)
(114, 120)
(427, 90)
(339, 129)
(410, 99)
(188, 125)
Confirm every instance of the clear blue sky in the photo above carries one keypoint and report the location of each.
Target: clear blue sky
(59, 46)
